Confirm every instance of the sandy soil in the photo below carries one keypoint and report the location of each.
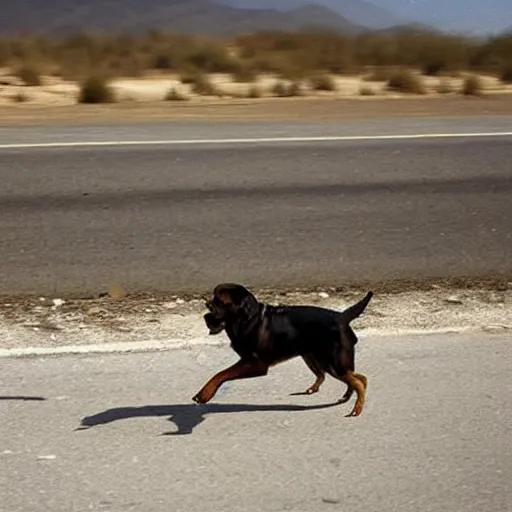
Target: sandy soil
(177, 321)
(143, 99)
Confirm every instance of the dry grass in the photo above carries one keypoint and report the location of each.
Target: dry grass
(365, 90)
(29, 75)
(174, 95)
(472, 86)
(322, 83)
(406, 82)
(292, 56)
(203, 86)
(96, 89)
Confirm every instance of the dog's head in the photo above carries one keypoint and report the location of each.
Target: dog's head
(230, 303)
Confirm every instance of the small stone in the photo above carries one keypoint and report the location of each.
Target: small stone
(180, 301)
(46, 457)
(453, 299)
(324, 295)
(496, 328)
(332, 501)
(95, 310)
(58, 302)
(124, 329)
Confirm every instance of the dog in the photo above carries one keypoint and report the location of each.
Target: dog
(264, 336)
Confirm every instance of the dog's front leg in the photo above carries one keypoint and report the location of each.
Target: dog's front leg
(243, 369)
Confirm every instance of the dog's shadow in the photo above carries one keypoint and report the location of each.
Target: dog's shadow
(187, 416)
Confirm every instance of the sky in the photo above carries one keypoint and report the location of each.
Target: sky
(473, 15)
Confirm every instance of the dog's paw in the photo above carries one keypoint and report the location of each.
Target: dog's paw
(201, 398)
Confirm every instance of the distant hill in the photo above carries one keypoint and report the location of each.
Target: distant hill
(185, 16)
(359, 12)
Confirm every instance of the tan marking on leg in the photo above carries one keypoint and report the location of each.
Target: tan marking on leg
(357, 385)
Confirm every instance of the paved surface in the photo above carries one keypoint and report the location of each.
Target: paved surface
(435, 435)
(207, 130)
(182, 217)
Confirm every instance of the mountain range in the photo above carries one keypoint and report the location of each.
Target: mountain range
(185, 16)
(217, 17)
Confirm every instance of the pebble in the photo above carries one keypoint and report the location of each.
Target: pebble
(324, 295)
(453, 299)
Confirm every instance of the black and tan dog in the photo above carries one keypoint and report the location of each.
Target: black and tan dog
(264, 336)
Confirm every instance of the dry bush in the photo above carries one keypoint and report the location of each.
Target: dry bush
(284, 90)
(367, 91)
(322, 83)
(407, 82)
(203, 86)
(506, 75)
(472, 86)
(254, 92)
(96, 89)
(20, 97)
(29, 75)
(174, 95)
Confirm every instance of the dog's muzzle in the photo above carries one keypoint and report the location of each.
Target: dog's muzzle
(214, 324)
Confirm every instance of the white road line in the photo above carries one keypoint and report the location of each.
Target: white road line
(256, 140)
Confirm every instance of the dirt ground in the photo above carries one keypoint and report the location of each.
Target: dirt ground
(143, 100)
(176, 321)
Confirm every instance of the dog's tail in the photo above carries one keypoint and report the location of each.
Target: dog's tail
(352, 312)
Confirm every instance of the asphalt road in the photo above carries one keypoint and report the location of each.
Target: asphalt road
(183, 216)
(434, 436)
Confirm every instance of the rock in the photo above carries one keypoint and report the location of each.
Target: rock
(453, 299)
(324, 295)
(122, 328)
(332, 501)
(58, 302)
(95, 310)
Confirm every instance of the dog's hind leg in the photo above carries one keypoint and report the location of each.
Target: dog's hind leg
(313, 365)
(355, 383)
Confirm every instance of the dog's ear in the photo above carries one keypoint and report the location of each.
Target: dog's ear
(249, 306)
(239, 298)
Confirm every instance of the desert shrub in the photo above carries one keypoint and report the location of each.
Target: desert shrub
(407, 82)
(322, 83)
(29, 75)
(367, 91)
(506, 75)
(20, 97)
(190, 77)
(254, 92)
(96, 89)
(174, 95)
(203, 86)
(472, 86)
(284, 90)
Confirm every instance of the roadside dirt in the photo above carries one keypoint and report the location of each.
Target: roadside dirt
(114, 318)
(265, 109)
